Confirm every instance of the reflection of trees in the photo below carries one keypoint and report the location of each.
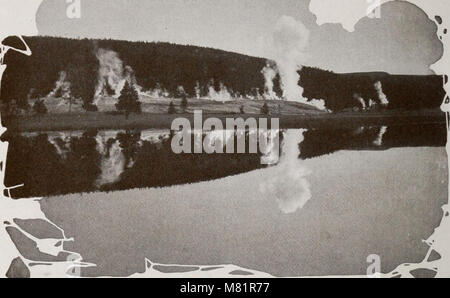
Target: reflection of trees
(69, 164)
(83, 162)
(129, 143)
(326, 141)
(36, 168)
(156, 165)
(35, 162)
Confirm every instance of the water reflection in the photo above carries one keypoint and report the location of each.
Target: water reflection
(362, 203)
(56, 163)
(289, 185)
(69, 162)
(319, 142)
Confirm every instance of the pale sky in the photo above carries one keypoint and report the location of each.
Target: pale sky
(402, 41)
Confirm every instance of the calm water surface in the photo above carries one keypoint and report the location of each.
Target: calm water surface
(333, 198)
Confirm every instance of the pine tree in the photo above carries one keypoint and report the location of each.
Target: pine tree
(265, 109)
(172, 108)
(128, 100)
(184, 103)
(39, 107)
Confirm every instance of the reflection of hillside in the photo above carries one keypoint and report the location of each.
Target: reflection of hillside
(155, 164)
(57, 163)
(320, 142)
(66, 162)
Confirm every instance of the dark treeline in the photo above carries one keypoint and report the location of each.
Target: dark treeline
(35, 76)
(320, 142)
(403, 91)
(34, 161)
(79, 162)
(154, 65)
(169, 66)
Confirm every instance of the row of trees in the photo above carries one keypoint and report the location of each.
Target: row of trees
(169, 66)
(129, 103)
(403, 91)
(155, 65)
(34, 161)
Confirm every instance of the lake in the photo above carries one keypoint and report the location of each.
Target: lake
(331, 199)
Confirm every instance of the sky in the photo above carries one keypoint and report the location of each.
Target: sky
(402, 41)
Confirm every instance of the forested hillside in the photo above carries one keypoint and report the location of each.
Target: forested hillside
(83, 67)
(402, 91)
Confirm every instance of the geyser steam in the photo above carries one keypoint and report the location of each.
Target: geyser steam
(290, 40)
(112, 74)
(269, 72)
(222, 95)
(61, 85)
(381, 96)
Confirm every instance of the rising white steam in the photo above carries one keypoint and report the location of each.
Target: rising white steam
(113, 159)
(197, 90)
(379, 140)
(60, 99)
(270, 146)
(112, 74)
(269, 74)
(289, 185)
(290, 40)
(61, 85)
(61, 141)
(222, 95)
(361, 100)
(155, 93)
(181, 91)
(381, 96)
(319, 103)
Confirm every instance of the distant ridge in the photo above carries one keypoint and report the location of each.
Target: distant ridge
(168, 66)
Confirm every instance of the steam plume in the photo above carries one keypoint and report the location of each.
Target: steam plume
(290, 40)
(157, 92)
(360, 100)
(269, 74)
(197, 90)
(61, 85)
(379, 140)
(289, 185)
(381, 96)
(112, 74)
(113, 160)
(222, 95)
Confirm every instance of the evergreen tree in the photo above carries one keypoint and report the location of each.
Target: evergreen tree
(39, 107)
(170, 66)
(89, 107)
(265, 109)
(184, 103)
(129, 100)
(172, 108)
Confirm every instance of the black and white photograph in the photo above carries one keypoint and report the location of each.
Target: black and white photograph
(224, 139)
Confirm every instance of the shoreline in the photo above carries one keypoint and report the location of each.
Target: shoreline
(102, 121)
